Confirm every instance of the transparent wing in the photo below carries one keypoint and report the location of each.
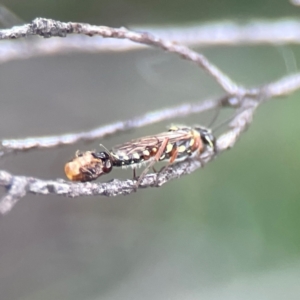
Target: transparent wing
(143, 143)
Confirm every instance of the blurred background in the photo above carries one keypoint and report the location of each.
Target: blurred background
(230, 231)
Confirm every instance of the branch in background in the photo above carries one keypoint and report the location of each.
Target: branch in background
(282, 87)
(11, 145)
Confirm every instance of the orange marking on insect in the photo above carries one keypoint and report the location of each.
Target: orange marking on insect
(156, 159)
(87, 167)
(174, 156)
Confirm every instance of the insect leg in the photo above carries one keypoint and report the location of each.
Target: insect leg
(155, 160)
(172, 159)
(87, 174)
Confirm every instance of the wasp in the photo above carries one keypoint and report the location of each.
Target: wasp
(176, 144)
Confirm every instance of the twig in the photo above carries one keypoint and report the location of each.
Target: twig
(282, 87)
(10, 145)
(254, 32)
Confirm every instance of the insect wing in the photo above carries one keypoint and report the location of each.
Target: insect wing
(152, 141)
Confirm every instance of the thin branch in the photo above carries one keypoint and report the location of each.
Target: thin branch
(228, 33)
(253, 32)
(17, 189)
(282, 87)
(9, 145)
(51, 28)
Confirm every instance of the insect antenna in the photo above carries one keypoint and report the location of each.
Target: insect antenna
(101, 145)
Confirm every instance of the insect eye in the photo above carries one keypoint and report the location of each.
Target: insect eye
(209, 140)
(207, 137)
(107, 166)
